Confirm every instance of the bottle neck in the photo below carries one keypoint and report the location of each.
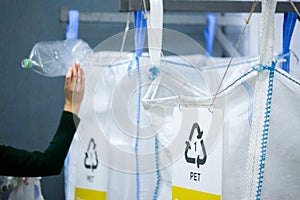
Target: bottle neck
(26, 63)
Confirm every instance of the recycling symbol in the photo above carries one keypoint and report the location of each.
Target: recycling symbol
(202, 160)
(91, 158)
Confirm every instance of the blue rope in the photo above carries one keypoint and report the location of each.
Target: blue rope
(289, 78)
(139, 37)
(138, 116)
(263, 147)
(237, 80)
(155, 195)
(154, 72)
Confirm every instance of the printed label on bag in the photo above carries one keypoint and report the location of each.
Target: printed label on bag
(197, 173)
(90, 172)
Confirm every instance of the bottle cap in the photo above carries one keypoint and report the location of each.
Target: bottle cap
(26, 63)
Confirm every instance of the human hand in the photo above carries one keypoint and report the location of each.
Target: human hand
(74, 88)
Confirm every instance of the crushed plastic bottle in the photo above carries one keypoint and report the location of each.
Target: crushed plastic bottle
(53, 58)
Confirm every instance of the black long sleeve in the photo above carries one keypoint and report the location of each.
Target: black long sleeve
(22, 163)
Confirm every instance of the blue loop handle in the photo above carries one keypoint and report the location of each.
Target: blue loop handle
(140, 25)
(209, 32)
(72, 28)
(288, 28)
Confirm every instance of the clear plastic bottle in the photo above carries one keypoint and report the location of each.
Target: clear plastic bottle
(53, 58)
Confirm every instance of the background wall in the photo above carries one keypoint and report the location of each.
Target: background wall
(31, 105)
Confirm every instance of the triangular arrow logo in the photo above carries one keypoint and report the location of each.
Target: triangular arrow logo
(91, 158)
(200, 160)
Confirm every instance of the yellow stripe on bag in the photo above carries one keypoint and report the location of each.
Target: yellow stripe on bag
(86, 194)
(179, 193)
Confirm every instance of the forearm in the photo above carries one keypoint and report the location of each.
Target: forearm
(17, 162)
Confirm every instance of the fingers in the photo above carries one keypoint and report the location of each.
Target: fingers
(81, 81)
(73, 75)
(77, 80)
(69, 73)
(68, 77)
(74, 88)
(75, 68)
